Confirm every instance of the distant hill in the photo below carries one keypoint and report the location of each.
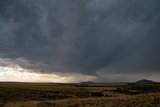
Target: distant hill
(144, 81)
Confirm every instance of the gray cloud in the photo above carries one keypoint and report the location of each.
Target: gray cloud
(85, 36)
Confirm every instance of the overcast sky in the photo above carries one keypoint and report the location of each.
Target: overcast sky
(94, 40)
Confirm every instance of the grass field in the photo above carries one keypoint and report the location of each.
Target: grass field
(79, 95)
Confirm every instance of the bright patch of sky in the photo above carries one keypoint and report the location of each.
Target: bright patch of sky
(18, 74)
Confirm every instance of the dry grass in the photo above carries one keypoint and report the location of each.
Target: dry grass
(73, 95)
(143, 100)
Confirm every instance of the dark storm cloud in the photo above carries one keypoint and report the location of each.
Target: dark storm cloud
(83, 36)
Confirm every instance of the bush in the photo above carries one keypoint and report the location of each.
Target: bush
(118, 90)
(97, 94)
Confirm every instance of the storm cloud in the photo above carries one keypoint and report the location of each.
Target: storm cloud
(81, 36)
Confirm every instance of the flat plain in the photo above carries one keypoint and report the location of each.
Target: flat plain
(13, 94)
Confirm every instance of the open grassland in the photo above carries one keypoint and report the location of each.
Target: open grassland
(79, 95)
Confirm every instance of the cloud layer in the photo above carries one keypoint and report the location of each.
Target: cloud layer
(81, 36)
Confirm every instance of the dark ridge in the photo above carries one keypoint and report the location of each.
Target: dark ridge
(87, 82)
